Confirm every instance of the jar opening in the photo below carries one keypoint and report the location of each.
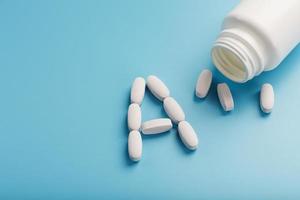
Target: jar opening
(229, 64)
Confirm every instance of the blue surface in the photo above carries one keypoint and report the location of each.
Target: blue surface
(65, 73)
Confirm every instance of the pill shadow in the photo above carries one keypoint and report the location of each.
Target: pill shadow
(276, 77)
(241, 93)
(156, 102)
(261, 113)
(125, 118)
(212, 96)
(287, 67)
(152, 98)
(183, 148)
(156, 136)
(196, 99)
(125, 130)
(127, 160)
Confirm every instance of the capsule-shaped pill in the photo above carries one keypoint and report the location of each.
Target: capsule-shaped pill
(203, 83)
(138, 90)
(156, 126)
(173, 110)
(225, 97)
(134, 117)
(188, 135)
(135, 145)
(157, 87)
(267, 98)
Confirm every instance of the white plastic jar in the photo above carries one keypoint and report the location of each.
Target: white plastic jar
(256, 36)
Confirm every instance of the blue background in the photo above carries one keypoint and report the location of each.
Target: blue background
(66, 68)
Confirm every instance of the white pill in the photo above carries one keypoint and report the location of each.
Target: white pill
(134, 117)
(156, 126)
(135, 145)
(188, 135)
(138, 90)
(225, 97)
(203, 83)
(173, 110)
(267, 98)
(157, 87)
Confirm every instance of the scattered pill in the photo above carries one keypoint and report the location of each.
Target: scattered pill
(203, 83)
(173, 110)
(134, 117)
(156, 126)
(225, 97)
(267, 98)
(135, 145)
(138, 90)
(188, 135)
(157, 87)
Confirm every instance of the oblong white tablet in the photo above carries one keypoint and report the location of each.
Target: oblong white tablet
(134, 117)
(156, 126)
(173, 110)
(225, 97)
(137, 90)
(157, 87)
(188, 135)
(135, 145)
(203, 83)
(267, 98)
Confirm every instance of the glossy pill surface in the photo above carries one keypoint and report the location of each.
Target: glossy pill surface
(137, 90)
(267, 98)
(157, 87)
(135, 145)
(134, 117)
(203, 83)
(188, 135)
(173, 110)
(156, 126)
(225, 97)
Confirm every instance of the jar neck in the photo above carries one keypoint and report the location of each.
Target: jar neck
(238, 55)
